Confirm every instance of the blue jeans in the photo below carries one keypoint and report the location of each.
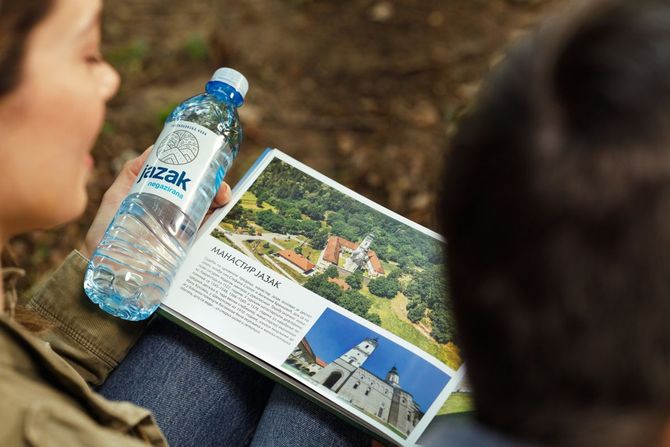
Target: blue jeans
(202, 397)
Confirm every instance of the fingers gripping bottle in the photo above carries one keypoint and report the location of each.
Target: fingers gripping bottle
(132, 269)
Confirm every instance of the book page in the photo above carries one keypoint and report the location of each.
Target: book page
(337, 292)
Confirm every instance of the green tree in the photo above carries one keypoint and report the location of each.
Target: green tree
(320, 285)
(262, 196)
(319, 240)
(331, 272)
(292, 213)
(430, 286)
(309, 228)
(384, 287)
(374, 318)
(235, 213)
(271, 221)
(443, 324)
(355, 302)
(404, 263)
(415, 313)
(355, 280)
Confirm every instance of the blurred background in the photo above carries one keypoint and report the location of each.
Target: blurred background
(365, 91)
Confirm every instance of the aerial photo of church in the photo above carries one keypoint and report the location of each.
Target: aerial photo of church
(360, 255)
(384, 399)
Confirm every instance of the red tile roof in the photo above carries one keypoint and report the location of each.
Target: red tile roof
(340, 282)
(297, 260)
(307, 349)
(376, 263)
(347, 244)
(332, 251)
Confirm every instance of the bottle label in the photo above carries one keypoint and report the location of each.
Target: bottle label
(178, 163)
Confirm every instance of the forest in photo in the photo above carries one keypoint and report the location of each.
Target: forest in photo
(347, 252)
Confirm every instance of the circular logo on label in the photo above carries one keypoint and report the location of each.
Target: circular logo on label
(178, 148)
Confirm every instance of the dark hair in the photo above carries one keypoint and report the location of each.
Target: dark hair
(557, 216)
(17, 20)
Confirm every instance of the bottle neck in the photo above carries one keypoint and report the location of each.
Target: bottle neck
(225, 93)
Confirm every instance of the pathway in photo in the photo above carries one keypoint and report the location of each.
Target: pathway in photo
(239, 239)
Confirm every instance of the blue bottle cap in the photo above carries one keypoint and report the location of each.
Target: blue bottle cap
(233, 78)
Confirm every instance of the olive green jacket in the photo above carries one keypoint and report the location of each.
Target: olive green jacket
(45, 394)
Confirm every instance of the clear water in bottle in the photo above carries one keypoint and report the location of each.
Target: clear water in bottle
(132, 268)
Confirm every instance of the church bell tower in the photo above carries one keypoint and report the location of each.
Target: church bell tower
(393, 378)
(357, 355)
(337, 372)
(360, 256)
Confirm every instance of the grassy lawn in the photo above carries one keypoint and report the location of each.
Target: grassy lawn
(259, 247)
(227, 226)
(255, 226)
(255, 247)
(290, 244)
(393, 316)
(343, 258)
(311, 254)
(457, 403)
(307, 251)
(248, 201)
(388, 267)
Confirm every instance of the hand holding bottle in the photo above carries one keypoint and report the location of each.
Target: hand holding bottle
(113, 197)
(132, 268)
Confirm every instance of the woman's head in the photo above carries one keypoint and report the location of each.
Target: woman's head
(53, 89)
(557, 212)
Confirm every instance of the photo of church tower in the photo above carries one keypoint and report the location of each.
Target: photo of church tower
(359, 256)
(377, 391)
(383, 398)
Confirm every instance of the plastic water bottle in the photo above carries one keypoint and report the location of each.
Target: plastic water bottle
(131, 270)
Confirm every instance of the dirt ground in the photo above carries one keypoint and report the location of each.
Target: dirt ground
(365, 91)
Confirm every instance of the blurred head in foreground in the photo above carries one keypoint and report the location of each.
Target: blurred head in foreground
(557, 216)
(53, 88)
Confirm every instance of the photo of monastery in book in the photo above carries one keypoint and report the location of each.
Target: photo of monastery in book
(347, 252)
(333, 295)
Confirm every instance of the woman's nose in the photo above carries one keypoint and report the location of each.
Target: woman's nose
(109, 81)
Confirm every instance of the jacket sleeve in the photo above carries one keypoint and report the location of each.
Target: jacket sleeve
(92, 341)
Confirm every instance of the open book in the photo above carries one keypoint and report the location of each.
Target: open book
(329, 294)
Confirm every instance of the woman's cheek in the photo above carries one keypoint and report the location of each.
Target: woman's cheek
(61, 187)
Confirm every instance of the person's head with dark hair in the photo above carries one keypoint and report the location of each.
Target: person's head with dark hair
(17, 19)
(53, 88)
(54, 85)
(557, 216)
